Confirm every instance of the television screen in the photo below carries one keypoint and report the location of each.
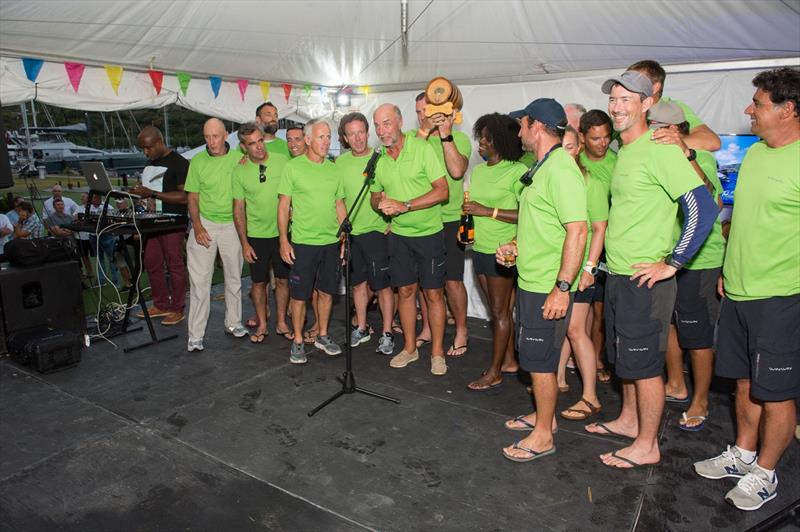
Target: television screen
(729, 158)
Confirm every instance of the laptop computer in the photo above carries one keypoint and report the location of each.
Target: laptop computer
(97, 178)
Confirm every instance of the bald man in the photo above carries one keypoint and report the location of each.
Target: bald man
(165, 249)
(210, 199)
(70, 207)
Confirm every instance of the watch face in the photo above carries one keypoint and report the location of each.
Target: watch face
(563, 286)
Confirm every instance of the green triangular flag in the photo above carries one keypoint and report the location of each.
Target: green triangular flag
(183, 81)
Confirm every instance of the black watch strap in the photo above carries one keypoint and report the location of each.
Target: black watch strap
(562, 285)
(692, 155)
(448, 138)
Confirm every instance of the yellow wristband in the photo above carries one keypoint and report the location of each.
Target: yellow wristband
(494, 214)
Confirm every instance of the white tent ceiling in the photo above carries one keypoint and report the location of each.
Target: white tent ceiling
(353, 42)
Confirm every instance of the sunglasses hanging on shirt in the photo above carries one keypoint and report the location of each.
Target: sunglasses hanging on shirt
(262, 173)
(527, 177)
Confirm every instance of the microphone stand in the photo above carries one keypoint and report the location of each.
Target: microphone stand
(347, 379)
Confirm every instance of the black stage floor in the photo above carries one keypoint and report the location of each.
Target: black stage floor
(162, 439)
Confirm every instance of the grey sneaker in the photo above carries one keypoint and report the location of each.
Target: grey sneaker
(753, 490)
(359, 336)
(298, 354)
(324, 343)
(237, 330)
(385, 344)
(728, 464)
(195, 344)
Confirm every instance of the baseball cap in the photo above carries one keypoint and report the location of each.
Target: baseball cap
(632, 80)
(546, 110)
(664, 114)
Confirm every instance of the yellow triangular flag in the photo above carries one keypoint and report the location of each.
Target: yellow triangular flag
(365, 89)
(264, 89)
(114, 74)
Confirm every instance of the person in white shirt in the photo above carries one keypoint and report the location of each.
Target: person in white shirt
(70, 207)
(6, 229)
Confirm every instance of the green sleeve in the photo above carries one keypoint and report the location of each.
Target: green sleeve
(672, 171)
(691, 117)
(376, 185)
(463, 144)
(285, 186)
(340, 187)
(192, 178)
(569, 196)
(433, 168)
(708, 164)
(237, 184)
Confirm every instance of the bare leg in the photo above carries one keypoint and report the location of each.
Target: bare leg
(702, 371)
(258, 293)
(361, 300)
(498, 292)
(676, 384)
(324, 304)
(436, 319)
(585, 357)
(281, 304)
(598, 332)
(407, 308)
(777, 428)
(627, 423)
(561, 373)
(650, 405)
(541, 438)
(386, 304)
(425, 333)
(510, 361)
(298, 307)
(457, 301)
(748, 417)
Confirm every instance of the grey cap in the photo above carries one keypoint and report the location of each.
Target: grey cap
(632, 80)
(665, 113)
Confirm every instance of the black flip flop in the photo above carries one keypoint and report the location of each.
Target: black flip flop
(608, 431)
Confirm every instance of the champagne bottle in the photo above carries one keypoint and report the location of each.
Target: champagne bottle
(466, 226)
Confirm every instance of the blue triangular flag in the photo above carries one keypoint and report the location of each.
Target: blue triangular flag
(32, 67)
(216, 81)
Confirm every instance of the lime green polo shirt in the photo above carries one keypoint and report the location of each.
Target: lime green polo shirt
(278, 145)
(602, 169)
(314, 189)
(261, 199)
(210, 178)
(363, 217)
(409, 177)
(763, 256)
(647, 182)
(556, 197)
(496, 186)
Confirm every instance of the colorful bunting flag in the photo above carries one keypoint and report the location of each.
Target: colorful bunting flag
(75, 73)
(114, 74)
(243, 84)
(323, 92)
(183, 80)
(307, 89)
(215, 81)
(366, 89)
(287, 90)
(32, 67)
(264, 89)
(157, 77)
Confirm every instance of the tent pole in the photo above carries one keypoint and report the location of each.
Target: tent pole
(24, 110)
(166, 126)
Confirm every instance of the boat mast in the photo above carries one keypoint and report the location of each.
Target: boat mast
(24, 110)
(166, 127)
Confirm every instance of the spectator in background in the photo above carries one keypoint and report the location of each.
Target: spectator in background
(70, 207)
(574, 113)
(28, 225)
(6, 229)
(58, 218)
(12, 215)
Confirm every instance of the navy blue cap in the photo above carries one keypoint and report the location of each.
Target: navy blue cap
(546, 110)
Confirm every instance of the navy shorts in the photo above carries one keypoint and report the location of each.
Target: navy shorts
(454, 265)
(417, 259)
(696, 308)
(268, 252)
(637, 325)
(369, 262)
(538, 340)
(485, 264)
(314, 267)
(760, 340)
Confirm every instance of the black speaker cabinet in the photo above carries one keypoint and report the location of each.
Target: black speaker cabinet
(6, 179)
(45, 295)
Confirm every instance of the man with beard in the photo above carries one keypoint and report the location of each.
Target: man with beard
(267, 119)
(410, 185)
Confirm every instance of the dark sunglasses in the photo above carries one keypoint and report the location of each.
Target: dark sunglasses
(262, 176)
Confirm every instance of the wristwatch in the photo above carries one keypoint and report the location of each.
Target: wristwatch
(562, 285)
(692, 155)
(448, 138)
(674, 263)
(590, 268)
(407, 204)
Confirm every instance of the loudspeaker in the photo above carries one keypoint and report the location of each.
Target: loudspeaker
(6, 180)
(46, 295)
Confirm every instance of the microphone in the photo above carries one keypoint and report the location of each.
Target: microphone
(369, 171)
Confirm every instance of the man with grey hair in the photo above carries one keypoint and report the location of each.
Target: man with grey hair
(70, 207)
(255, 208)
(574, 113)
(310, 185)
(210, 200)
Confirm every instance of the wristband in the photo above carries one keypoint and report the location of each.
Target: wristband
(494, 214)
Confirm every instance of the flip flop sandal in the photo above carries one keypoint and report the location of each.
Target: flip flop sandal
(603, 376)
(534, 455)
(453, 349)
(682, 424)
(678, 400)
(287, 335)
(631, 463)
(608, 431)
(577, 414)
(310, 337)
(396, 328)
(258, 337)
(486, 388)
(521, 419)
(421, 341)
(252, 323)
(563, 389)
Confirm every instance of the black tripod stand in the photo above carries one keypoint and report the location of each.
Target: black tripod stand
(347, 379)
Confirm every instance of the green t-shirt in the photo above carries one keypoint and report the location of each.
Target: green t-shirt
(602, 169)
(648, 179)
(528, 158)
(351, 171)
(495, 186)
(556, 197)
(278, 145)
(690, 115)
(409, 177)
(597, 194)
(763, 257)
(314, 188)
(712, 251)
(210, 178)
(261, 199)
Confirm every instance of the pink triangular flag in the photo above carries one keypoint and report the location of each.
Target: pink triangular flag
(243, 84)
(75, 73)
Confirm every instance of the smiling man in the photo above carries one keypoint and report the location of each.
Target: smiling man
(759, 322)
(649, 182)
(267, 120)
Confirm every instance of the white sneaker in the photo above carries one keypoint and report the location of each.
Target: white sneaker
(753, 490)
(728, 464)
(237, 330)
(195, 344)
